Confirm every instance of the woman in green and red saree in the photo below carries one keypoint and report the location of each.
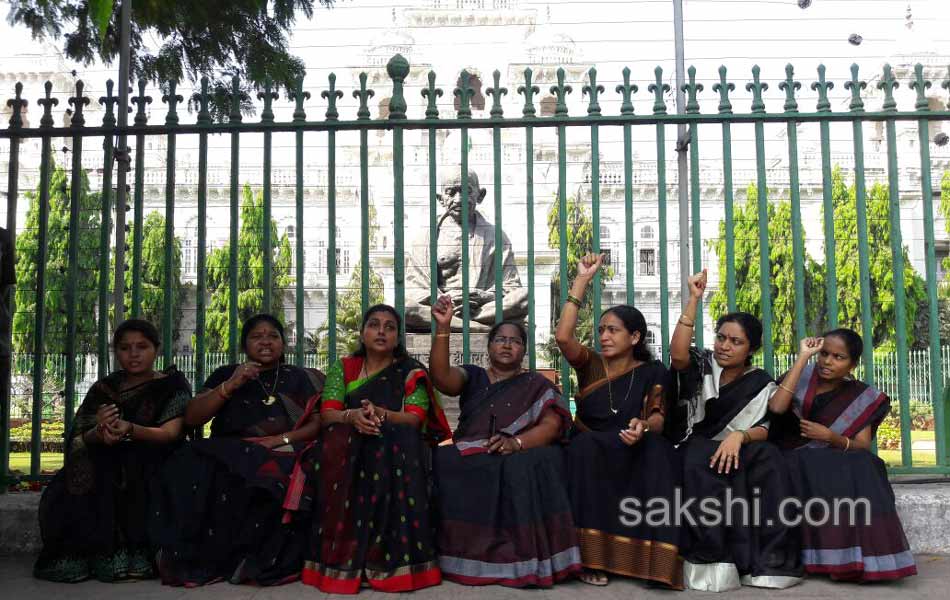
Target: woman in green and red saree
(504, 512)
(93, 513)
(617, 451)
(218, 513)
(369, 469)
(720, 424)
(826, 430)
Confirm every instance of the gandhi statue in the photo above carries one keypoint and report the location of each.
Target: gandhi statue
(481, 266)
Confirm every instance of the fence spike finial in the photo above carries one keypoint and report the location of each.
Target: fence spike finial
(464, 93)
(17, 103)
(854, 85)
(140, 101)
(692, 88)
(560, 91)
(172, 98)
(724, 87)
(593, 90)
(496, 92)
(921, 85)
(398, 70)
(235, 115)
(268, 96)
(659, 89)
(47, 102)
(528, 90)
(790, 86)
(332, 95)
(431, 94)
(363, 95)
(109, 101)
(888, 84)
(78, 102)
(757, 87)
(626, 91)
(822, 86)
(203, 99)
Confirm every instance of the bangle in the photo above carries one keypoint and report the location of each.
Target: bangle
(848, 447)
(443, 335)
(346, 416)
(575, 301)
(520, 443)
(686, 322)
(221, 391)
(746, 437)
(128, 434)
(787, 389)
(382, 416)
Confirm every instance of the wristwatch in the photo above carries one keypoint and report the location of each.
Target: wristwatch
(286, 440)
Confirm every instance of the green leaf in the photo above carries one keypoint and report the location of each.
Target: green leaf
(100, 11)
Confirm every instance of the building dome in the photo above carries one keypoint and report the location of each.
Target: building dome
(546, 47)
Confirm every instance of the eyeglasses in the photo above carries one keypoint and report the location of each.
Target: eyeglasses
(502, 340)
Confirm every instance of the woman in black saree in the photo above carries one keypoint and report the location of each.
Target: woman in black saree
(617, 451)
(219, 500)
(826, 430)
(93, 513)
(720, 424)
(504, 512)
(369, 469)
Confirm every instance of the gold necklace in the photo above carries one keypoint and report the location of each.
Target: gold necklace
(610, 391)
(272, 395)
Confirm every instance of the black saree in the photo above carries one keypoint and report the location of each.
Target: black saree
(504, 519)
(93, 514)
(603, 472)
(218, 513)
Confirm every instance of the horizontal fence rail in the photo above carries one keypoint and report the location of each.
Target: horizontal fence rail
(545, 143)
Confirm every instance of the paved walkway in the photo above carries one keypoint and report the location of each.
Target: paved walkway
(16, 582)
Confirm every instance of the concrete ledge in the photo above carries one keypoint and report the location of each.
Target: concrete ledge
(924, 510)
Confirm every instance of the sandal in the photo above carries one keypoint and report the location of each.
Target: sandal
(593, 577)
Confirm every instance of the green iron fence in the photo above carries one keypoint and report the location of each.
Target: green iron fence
(654, 123)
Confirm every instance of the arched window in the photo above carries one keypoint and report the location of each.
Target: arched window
(646, 232)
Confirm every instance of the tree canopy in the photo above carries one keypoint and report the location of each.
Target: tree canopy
(239, 37)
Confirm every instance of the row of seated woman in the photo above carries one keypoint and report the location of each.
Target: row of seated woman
(355, 480)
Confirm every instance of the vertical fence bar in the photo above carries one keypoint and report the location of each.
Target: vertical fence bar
(528, 90)
(798, 241)
(864, 260)
(560, 110)
(497, 113)
(659, 89)
(692, 108)
(39, 323)
(300, 116)
(138, 200)
(432, 93)
(332, 116)
(6, 351)
(888, 84)
(926, 196)
(362, 114)
(626, 89)
(267, 116)
(765, 283)
(593, 90)
(105, 231)
(398, 69)
(168, 296)
(831, 281)
(204, 120)
(78, 102)
(464, 93)
(234, 118)
(725, 108)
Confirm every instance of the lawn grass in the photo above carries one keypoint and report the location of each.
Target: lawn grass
(49, 461)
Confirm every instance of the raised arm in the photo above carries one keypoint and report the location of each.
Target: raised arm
(446, 378)
(782, 398)
(683, 332)
(206, 405)
(567, 343)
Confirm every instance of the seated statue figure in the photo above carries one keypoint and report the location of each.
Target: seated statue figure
(481, 265)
